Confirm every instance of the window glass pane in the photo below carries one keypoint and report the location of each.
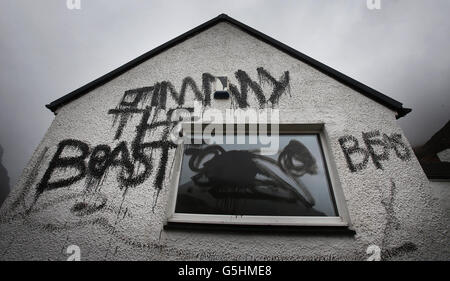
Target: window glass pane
(236, 179)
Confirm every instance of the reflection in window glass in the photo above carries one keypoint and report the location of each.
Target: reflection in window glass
(235, 179)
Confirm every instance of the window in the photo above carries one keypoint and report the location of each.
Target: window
(236, 183)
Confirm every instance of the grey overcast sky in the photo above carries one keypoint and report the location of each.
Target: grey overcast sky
(48, 50)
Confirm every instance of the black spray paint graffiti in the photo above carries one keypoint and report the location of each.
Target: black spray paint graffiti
(378, 149)
(392, 224)
(279, 87)
(93, 164)
(135, 161)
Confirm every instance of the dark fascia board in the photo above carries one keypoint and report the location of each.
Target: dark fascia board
(437, 171)
(357, 86)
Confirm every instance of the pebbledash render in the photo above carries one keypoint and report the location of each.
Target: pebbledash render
(108, 180)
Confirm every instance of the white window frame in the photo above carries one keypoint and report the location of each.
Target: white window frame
(342, 220)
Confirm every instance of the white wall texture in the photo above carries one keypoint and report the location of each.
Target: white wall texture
(444, 155)
(441, 191)
(389, 207)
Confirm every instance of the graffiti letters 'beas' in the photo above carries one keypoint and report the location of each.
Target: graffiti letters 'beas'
(351, 147)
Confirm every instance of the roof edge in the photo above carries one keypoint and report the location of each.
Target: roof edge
(357, 86)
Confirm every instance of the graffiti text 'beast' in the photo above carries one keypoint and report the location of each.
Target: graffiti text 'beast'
(378, 149)
(134, 162)
(135, 165)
